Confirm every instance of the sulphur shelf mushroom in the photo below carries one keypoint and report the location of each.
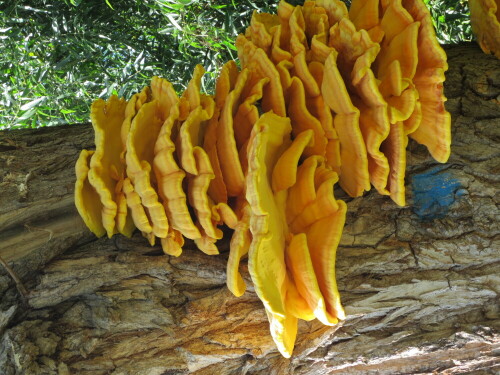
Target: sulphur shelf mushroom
(323, 96)
(485, 21)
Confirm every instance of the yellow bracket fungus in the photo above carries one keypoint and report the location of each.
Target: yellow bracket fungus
(283, 176)
(124, 220)
(105, 164)
(170, 177)
(324, 96)
(354, 177)
(303, 120)
(260, 66)
(356, 53)
(217, 188)
(434, 130)
(87, 199)
(247, 113)
(141, 220)
(270, 136)
(139, 157)
(485, 21)
(240, 244)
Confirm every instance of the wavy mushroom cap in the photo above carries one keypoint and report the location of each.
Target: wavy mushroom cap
(485, 20)
(87, 200)
(144, 132)
(106, 167)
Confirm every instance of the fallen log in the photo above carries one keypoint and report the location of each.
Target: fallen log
(419, 284)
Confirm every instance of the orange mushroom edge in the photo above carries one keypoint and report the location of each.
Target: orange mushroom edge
(485, 21)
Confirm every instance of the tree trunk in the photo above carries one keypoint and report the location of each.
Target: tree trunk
(420, 284)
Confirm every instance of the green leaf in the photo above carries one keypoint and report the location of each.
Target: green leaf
(26, 115)
(32, 104)
(109, 4)
(174, 22)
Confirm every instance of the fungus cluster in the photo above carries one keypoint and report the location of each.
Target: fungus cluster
(485, 21)
(323, 96)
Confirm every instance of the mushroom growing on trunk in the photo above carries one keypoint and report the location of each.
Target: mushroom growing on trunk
(323, 96)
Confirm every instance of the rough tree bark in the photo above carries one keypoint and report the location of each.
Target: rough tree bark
(420, 284)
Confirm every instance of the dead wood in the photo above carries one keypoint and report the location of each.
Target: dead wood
(420, 284)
